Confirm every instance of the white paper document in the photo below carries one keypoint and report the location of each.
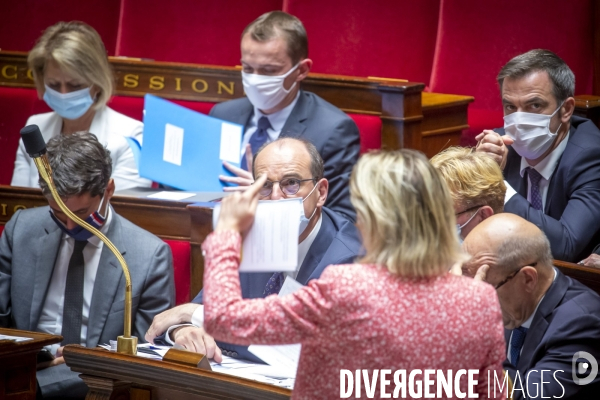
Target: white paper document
(271, 244)
(249, 370)
(173, 149)
(231, 139)
(171, 195)
(15, 338)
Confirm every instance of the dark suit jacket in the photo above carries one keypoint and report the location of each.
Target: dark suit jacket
(28, 249)
(566, 321)
(571, 217)
(334, 134)
(337, 243)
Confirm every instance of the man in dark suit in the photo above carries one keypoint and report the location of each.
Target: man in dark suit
(552, 321)
(294, 168)
(57, 278)
(275, 61)
(549, 157)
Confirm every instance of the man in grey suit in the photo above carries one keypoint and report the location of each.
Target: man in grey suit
(55, 277)
(275, 61)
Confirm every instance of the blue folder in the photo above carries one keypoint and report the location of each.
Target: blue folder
(182, 147)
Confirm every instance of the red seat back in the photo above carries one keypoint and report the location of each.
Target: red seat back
(188, 31)
(485, 35)
(182, 269)
(22, 22)
(16, 105)
(385, 38)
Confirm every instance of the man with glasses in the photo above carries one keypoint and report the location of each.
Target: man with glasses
(294, 169)
(476, 185)
(548, 316)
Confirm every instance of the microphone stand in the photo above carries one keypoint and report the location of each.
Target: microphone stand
(126, 344)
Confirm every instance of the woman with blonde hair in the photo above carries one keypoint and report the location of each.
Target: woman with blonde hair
(397, 309)
(72, 74)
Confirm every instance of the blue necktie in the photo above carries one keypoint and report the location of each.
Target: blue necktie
(258, 138)
(536, 195)
(516, 344)
(274, 285)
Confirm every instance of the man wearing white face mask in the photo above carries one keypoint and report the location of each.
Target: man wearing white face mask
(294, 168)
(549, 156)
(275, 61)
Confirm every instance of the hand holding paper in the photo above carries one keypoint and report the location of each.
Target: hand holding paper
(237, 211)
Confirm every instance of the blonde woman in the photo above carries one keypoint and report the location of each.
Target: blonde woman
(72, 74)
(398, 309)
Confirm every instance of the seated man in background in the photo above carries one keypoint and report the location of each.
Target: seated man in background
(275, 61)
(476, 185)
(57, 278)
(294, 168)
(548, 155)
(549, 318)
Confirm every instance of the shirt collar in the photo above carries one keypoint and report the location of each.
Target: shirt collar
(527, 323)
(304, 246)
(547, 166)
(277, 119)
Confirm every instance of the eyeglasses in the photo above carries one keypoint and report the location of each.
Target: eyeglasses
(467, 210)
(508, 278)
(288, 186)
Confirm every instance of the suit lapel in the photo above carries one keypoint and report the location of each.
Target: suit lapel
(294, 126)
(106, 284)
(317, 250)
(539, 325)
(555, 179)
(244, 116)
(49, 246)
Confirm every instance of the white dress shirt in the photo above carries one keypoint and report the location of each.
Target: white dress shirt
(546, 168)
(527, 323)
(277, 121)
(51, 317)
(303, 247)
(109, 126)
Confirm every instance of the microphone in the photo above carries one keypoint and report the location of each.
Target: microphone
(36, 148)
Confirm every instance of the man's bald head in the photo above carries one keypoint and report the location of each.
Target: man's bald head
(520, 263)
(292, 149)
(512, 239)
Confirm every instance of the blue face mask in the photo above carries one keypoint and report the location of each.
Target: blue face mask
(303, 220)
(79, 233)
(69, 105)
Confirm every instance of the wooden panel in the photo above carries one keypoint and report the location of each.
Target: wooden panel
(106, 370)
(165, 219)
(18, 362)
(588, 106)
(589, 276)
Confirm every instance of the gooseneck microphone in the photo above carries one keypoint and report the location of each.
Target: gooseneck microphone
(36, 148)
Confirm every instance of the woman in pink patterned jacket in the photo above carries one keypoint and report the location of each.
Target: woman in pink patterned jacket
(397, 309)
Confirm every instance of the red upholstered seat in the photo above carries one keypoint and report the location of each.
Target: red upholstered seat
(476, 38)
(369, 127)
(23, 21)
(190, 31)
(385, 38)
(134, 106)
(182, 269)
(16, 105)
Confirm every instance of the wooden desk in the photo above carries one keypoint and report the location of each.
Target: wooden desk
(408, 119)
(589, 276)
(18, 361)
(118, 376)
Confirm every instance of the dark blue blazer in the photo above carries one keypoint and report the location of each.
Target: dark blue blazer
(567, 321)
(334, 134)
(338, 242)
(571, 217)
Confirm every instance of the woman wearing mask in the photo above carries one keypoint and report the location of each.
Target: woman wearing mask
(399, 309)
(73, 76)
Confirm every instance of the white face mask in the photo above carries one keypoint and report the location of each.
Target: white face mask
(303, 220)
(266, 92)
(530, 132)
(459, 227)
